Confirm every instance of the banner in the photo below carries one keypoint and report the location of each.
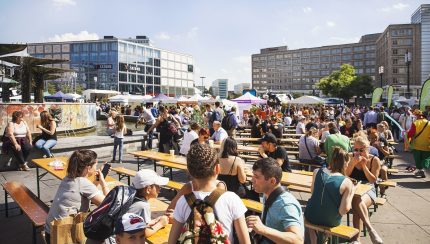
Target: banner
(425, 95)
(390, 95)
(376, 96)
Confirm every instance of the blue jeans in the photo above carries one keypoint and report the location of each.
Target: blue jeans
(117, 142)
(45, 145)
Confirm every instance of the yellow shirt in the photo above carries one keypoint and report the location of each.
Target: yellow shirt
(422, 142)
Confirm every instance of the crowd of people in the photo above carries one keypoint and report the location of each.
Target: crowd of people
(351, 144)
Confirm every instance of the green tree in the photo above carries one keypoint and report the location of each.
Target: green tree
(361, 85)
(52, 88)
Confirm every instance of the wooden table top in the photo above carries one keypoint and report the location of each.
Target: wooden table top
(283, 135)
(161, 156)
(253, 139)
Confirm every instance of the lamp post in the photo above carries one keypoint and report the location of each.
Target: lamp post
(381, 72)
(95, 82)
(408, 59)
(203, 86)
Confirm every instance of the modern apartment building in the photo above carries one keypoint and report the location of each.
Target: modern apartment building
(240, 87)
(220, 88)
(280, 70)
(127, 65)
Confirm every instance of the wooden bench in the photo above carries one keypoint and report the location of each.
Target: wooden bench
(33, 207)
(124, 172)
(253, 205)
(170, 166)
(299, 188)
(302, 164)
(341, 231)
(249, 157)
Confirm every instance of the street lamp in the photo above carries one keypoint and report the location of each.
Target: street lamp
(408, 59)
(381, 72)
(203, 86)
(95, 82)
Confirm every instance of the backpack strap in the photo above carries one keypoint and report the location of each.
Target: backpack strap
(213, 197)
(190, 198)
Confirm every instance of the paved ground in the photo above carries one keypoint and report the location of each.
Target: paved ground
(405, 218)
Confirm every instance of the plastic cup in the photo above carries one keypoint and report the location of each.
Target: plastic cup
(211, 143)
(172, 152)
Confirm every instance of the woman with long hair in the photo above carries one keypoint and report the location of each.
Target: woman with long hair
(118, 141)
(332, 193)
(48, 138)
(110, 124)
(309, 146)
(76, 190)
(18, 139)
(232, 167)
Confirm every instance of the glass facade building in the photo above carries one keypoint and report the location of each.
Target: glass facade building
(422, 16)
(125, 65)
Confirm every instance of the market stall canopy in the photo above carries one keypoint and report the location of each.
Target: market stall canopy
(249, 98)
(59, 96)
(307, 100)
(129, 98)
(7, 81)
(103, 93)
(163, 98)
(185, 100)
(75, 96)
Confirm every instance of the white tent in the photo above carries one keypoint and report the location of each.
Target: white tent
(99, 93)
(229, 104)
(307, 100)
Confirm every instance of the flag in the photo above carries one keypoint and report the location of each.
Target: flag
(390, 95)
(425, 95)
(376, 96)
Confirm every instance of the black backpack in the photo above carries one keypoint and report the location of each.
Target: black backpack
(227, 122)
(99, 224)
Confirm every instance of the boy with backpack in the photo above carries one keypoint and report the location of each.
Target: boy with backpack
(207, 215)
(147, 184)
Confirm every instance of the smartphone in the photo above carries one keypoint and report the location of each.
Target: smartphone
(105, 169)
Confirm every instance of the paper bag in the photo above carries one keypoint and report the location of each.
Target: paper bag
(68, 230)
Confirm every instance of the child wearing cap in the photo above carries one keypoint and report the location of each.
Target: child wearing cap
(130, 229)
(147, 183)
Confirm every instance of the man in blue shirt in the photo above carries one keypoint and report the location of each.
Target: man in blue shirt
(219, 133)
(370, 118)
(283, 220)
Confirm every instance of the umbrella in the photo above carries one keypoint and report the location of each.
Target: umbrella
(307, 100)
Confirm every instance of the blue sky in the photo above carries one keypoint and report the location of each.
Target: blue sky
(221, 35)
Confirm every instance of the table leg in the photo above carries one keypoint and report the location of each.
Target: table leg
(6, 204)
(37, 181)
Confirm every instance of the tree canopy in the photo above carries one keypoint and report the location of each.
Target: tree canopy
(344, 83)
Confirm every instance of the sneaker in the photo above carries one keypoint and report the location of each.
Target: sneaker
(376, 239)
(421, 174)
(120, 162)
(24, 167)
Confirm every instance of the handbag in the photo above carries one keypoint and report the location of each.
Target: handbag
(69, 229)
(318, 160)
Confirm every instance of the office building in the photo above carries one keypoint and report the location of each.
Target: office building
(220, 88)
(281, 70)
(240, 87)
(127, 65)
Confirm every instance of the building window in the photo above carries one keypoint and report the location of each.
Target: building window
(395, 61)
(346, 50)
(395, 70)
(395, 51)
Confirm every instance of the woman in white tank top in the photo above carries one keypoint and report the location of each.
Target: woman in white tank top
(118, 141)
(18, 139)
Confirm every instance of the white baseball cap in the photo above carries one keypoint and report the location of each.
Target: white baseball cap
(147, 177)
(130, 223)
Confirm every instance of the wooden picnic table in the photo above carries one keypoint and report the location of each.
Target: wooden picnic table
(253, 139)
(285, 135)
(157, 156)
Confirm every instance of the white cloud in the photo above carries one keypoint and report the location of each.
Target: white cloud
(191, 34)
(62, 3)
(224, 71)
(163, 36)
(331, 23)
(316, 29)
(395, 7)
(83, 35)
(307, 10)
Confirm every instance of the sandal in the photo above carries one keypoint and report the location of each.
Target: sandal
(24, 167)
(411, 169)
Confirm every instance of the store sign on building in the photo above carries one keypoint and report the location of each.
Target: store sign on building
(104, 66)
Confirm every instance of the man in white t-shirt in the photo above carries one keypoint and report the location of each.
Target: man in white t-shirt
(300, 128)
(203, 166)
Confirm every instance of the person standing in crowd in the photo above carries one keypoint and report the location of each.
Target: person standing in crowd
(230, 123)
(18, 140)
(420, 139)
(219, 110)
(335, 139)
(232, 167)
(149, 120)
(256, 129)
(219, 134)
(130, 229)
(76, 191)
(348, 129)
(48, 139)
(282, 220)
(276, 128)
(147, 184)
(406, 119)
(370, 118)
(189, 136)
(332, 193)
(118, 141)
(209, 118)
(110, 124)
(203, 166)
(166, 141)
(269, 149)
(300, 128)
(365, 168)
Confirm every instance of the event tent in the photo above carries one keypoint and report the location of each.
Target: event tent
(163, 98)
(249, 98)
(59, 96)
(307, 100)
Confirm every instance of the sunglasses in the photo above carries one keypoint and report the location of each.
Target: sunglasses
(359, 149)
